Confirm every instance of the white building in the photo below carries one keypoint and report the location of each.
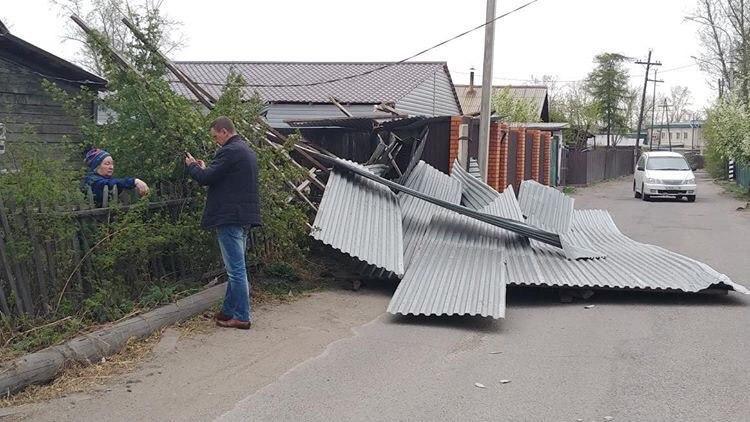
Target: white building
(681, 135)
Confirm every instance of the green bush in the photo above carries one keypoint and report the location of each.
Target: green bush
(727, 131)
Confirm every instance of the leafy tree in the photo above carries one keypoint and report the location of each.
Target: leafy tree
(608, 85)
(575, 106)
(727, 130)
(513, 109)
(105, 17)
(724, 38)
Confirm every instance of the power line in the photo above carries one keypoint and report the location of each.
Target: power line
(379, 68)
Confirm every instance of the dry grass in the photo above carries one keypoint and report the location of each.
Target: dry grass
(82, 378)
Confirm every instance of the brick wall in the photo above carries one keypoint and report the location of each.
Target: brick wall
(453, 143)
(520, 157)
(536, 146)
(547, 147)
(502, 180)
(493, 158)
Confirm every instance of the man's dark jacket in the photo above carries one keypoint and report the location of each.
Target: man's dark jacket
(232, 180)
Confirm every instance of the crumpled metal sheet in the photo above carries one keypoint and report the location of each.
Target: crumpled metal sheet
(458, 270)
(476, 193)
(361, 218)
(628, 265)
(418, 213)
(549, 209)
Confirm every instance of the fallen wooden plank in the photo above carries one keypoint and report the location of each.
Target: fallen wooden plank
(43, 366)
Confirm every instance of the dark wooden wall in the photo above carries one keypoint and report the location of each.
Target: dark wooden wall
(25, 107)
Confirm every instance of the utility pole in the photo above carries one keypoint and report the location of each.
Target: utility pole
(653, 106)
(485, 110)
(648, 63)
(692, 136)
(669, 133)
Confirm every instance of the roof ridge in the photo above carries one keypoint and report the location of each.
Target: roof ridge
(503, 86)
(303, 62)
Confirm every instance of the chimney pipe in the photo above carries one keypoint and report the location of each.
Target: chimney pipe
(471, 79)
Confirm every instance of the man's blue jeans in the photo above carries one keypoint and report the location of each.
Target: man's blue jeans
(232, 241)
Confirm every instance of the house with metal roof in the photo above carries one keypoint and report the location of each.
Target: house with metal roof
(470, 97)
(298, 91)
(25, 106)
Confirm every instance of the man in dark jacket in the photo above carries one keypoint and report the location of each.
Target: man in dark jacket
(232, 207)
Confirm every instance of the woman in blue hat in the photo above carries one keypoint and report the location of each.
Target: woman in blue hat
(99, 175)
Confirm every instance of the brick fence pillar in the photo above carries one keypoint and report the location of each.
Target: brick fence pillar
(520, 157)
(546, 164)
(493, 159)
(536, 146)
(502, 182)
(453, 141)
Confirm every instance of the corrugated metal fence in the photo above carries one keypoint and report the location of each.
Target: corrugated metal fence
(591, 166)
(743, 176)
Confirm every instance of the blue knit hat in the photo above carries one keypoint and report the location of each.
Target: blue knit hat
(94, 157)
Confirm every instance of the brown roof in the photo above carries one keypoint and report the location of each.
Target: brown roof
(314, 82)
(470, 96)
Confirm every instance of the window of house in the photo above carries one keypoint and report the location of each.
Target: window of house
(684, 135)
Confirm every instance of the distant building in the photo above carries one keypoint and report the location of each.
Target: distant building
(470, 97)
(682, 135)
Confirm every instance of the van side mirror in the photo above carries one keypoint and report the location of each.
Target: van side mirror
(639, 168)
(693, 167)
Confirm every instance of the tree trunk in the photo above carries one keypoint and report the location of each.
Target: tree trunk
(43, 366)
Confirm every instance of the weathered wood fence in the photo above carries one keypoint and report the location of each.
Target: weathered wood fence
(33, 276)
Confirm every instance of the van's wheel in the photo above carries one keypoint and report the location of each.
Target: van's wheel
(636, 194)
(691, 198)
(644, 196)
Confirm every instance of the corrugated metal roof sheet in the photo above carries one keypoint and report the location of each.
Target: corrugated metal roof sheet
(476, 194)
(361, 218)
(549, 209)
(458, 270)
(470, 97)
(629, 264)
(389, 84)
(474, 169)
(505, 205)
(418, 213)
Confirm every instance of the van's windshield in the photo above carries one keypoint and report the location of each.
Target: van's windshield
(667, 163)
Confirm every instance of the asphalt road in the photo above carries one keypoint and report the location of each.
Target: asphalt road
(633, 357)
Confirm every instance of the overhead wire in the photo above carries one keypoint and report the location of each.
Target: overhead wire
(379, 68)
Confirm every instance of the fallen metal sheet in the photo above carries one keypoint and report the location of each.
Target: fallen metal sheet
(505, 205)
(474, 169)
(629, 264)
(418, 213)
(512, 225)
(361, 218)
(549, 209)
(458, 270)
(476, 193)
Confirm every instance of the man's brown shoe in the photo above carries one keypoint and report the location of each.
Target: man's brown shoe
(219, 316)
(234, 323)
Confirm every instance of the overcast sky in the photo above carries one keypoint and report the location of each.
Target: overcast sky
(550, 37)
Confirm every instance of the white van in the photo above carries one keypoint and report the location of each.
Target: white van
(662, 173)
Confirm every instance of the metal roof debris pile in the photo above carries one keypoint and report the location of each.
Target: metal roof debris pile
(457, 259)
